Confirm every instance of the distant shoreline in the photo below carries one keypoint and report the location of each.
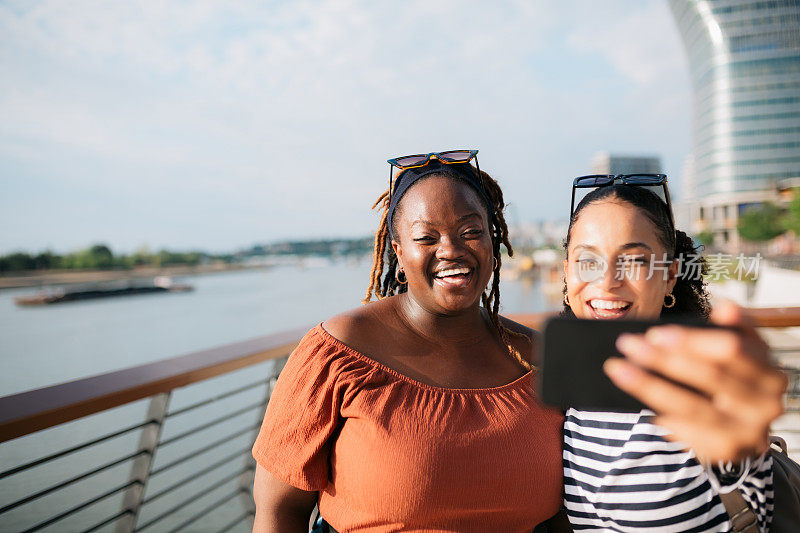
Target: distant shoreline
(67, 277)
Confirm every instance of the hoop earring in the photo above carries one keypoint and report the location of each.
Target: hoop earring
(672, 301)
(566, 300)
(397, 277)
(495, 263)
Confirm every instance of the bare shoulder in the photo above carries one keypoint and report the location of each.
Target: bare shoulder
(355, 326)
(526, 347)
(343, 325)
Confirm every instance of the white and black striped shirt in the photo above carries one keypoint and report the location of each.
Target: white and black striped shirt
(620, 474)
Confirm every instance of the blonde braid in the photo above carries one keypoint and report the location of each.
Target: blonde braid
(378, 250)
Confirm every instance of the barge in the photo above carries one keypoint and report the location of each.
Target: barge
(159, 284)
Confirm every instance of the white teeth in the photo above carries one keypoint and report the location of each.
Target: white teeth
(452, 272)
(608, 304)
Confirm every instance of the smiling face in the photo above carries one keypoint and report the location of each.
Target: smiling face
(443, 244)
(613, 250)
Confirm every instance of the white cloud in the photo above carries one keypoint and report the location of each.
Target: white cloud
(294, 105)
(641, 43)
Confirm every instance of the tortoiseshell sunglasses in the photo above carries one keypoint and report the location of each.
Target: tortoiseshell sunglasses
(449, 157)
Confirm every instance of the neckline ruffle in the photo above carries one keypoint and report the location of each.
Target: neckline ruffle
(524, 380)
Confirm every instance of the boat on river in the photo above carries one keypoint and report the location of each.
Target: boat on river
(61, 295)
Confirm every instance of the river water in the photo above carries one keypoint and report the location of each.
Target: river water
(42, 346)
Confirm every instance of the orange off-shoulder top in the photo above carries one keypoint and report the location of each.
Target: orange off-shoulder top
(388, 453)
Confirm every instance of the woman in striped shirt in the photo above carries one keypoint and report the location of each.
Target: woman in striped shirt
(628, 471)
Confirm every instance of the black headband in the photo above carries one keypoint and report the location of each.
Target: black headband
(463, 171)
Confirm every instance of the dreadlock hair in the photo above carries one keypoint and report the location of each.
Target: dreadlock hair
(690, 292)
(385, 284)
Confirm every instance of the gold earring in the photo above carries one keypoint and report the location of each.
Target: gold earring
(671, 303)
(397, 277)
(566, 300)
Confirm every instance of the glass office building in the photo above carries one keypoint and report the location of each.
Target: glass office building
(606, 163)
(744, 58)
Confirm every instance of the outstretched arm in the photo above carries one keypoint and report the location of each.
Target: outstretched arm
(739, 389)
(738, 392)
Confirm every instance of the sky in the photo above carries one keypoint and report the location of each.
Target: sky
(217, 125)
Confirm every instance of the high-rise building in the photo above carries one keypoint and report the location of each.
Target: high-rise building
(744, 58)
(683, 209)
(605, 163)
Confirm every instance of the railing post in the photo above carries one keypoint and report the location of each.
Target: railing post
(140, 470)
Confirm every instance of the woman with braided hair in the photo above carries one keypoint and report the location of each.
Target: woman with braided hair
(499, 235)
(416, 412)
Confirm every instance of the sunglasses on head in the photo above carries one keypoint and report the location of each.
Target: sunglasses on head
(449, 157)
(657, 181)
(420, 160)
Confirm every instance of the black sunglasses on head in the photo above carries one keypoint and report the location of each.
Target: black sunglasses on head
(638, 180)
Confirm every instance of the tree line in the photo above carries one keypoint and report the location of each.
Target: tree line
(768, 221)
(100, 256)
(765, 221)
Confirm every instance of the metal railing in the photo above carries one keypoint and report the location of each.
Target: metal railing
(186, 459)
(166, 446)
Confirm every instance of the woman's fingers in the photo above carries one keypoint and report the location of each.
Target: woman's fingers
(726, 313)
(657, 393)
(701, 357)
(679, 362)
(714, 430)
(724, 346)
(737, 385)
(674, 365)
(716, 389)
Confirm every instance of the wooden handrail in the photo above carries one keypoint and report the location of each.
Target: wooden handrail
(762, 317)
(774, 317)
(34, 410)
(30, 411)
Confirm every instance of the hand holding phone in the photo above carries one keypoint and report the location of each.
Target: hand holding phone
(713, 386)
(571, 371)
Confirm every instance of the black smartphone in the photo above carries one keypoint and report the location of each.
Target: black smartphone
(571, 369)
